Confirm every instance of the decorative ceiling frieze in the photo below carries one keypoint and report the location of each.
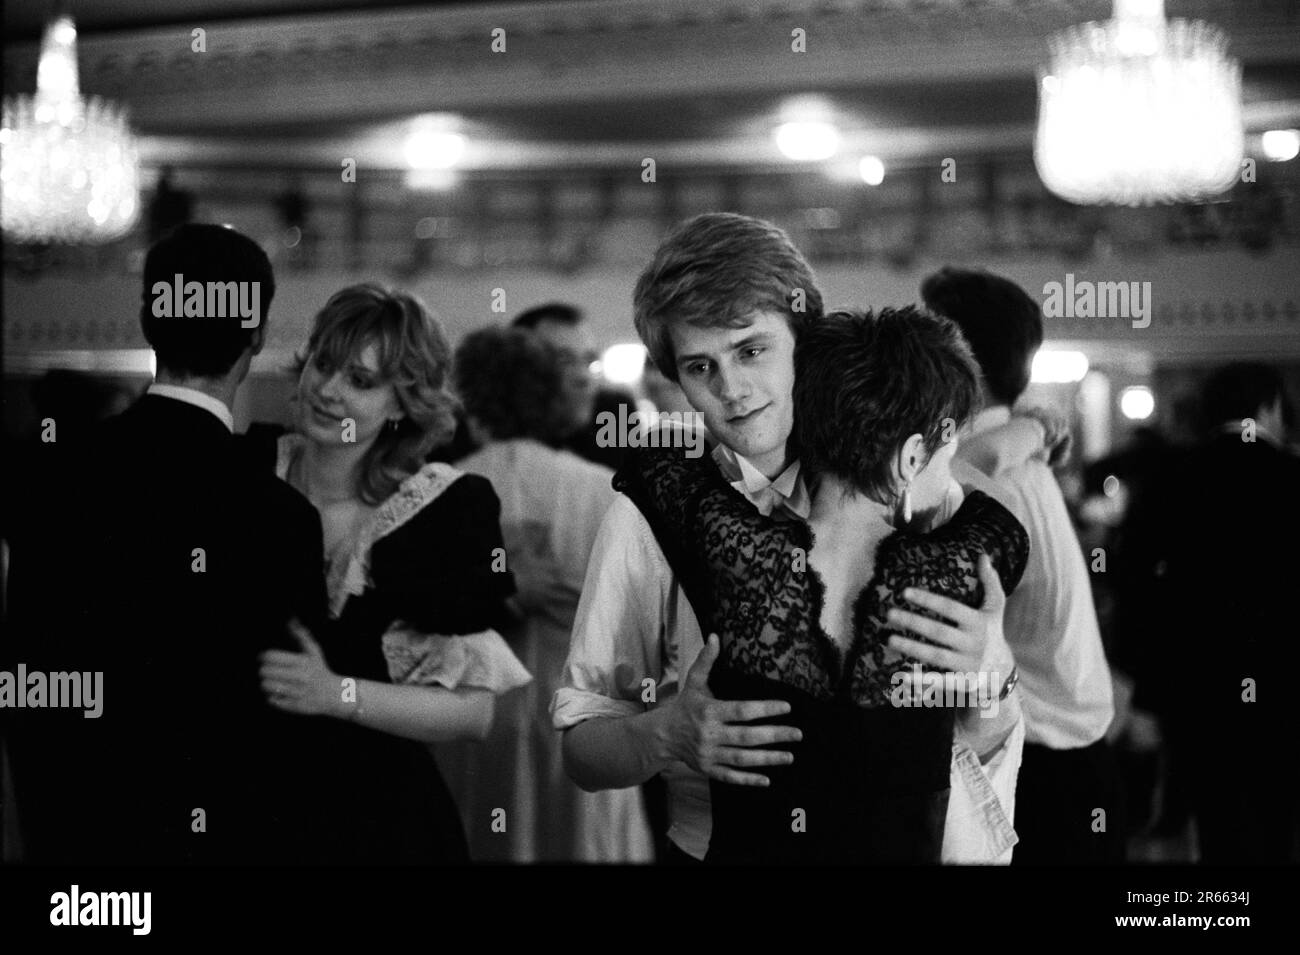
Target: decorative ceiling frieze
(368, 66)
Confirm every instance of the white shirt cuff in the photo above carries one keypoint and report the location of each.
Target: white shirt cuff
(982, 803)
(570, 706)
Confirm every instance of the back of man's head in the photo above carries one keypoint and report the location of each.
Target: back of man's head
(558, 312)
(1003, 325)
(206, 345)
(1238, 391)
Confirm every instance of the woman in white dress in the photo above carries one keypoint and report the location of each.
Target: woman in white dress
(552, 503)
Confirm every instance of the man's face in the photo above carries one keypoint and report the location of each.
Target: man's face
(577, 350)
(742, 381)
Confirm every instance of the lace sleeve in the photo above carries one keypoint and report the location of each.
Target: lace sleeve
(943, 562)
(992, 528)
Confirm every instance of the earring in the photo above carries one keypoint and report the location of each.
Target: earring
(907, 503)
(393, 424)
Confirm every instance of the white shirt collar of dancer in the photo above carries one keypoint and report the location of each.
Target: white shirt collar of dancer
(192, 396)
(786, 491)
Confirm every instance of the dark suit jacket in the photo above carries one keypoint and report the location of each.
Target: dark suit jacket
(156, 553)
(1214, 564)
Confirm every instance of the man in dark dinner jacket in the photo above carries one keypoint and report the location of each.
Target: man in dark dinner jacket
(153, 552)
(1214, 565)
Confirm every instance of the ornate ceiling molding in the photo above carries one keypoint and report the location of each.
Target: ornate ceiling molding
(369, 66)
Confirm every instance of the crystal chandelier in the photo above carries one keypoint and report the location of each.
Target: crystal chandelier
(68, 165)
(1139, 110)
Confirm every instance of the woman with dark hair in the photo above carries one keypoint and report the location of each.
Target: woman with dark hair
(804, 612)
(414, 574)
(552, 502)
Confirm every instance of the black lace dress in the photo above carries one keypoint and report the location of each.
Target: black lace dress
(869, 781)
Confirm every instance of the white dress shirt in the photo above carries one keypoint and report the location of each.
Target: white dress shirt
(192, 396)
(1050, 622)
(786, 494)
(634, 622)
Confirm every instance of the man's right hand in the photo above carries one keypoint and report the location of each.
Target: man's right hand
(706, 733)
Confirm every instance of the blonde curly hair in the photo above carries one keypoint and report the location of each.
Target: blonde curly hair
(414, 356)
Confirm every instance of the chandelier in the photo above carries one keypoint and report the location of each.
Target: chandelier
(68, 165)
(1139, 110)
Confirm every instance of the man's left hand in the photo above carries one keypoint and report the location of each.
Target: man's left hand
(301, 682)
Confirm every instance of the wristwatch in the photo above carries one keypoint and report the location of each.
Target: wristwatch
(1010, 685)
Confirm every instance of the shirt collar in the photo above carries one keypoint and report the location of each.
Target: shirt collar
(787, 491)
(192, 396)
(990, 418)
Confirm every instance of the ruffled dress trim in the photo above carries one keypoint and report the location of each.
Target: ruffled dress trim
(482, 660)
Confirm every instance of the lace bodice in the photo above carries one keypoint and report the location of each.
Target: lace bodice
(749, 579)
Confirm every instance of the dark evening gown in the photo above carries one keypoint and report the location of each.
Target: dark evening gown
(415, 599)
(869, 782)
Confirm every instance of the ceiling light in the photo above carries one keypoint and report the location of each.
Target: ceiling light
(1137, 403)
(69, 167)
(1058, 367)
(433, 144)
(623, 364)
(1281, 145)
(1139, 110)
(808, 141)
(872, 170)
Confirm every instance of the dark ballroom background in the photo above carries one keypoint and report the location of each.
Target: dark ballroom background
(541, 195)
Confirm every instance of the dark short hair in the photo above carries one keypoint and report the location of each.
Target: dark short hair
(1239, 390)
(414, 356)
(715, 271)
(1000, 320)
(510, 379)
(203, 347)
(864, 383)
(557, 312)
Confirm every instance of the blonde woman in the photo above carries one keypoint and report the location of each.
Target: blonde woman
(415, 577)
